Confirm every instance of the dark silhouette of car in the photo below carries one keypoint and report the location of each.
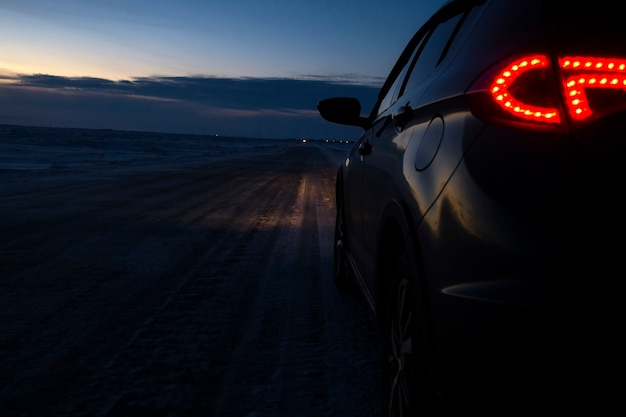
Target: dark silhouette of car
(480, 212)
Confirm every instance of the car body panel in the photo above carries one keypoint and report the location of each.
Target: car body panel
(510, 219)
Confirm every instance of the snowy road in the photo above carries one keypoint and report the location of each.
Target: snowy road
(183, 291)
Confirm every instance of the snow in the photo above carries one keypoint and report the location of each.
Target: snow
(57, 152)
(148, 274)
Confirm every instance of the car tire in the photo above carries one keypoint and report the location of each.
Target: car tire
(408, 387)
(342, 276)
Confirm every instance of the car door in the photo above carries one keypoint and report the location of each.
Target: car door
(352, 183)
(404, 121)
(357, 165)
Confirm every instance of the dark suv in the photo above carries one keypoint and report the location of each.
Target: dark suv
(480, 213)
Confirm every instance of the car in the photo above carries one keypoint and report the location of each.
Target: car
(480, 211)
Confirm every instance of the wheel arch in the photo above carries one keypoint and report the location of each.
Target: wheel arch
(398, 232)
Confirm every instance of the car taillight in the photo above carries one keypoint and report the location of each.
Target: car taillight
(527, 92)
(512, 89)
(593, 85)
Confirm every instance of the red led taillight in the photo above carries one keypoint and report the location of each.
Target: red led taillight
(529, 92)
(583, 73)
(502, 94)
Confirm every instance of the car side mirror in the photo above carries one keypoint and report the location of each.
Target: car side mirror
(343, 110)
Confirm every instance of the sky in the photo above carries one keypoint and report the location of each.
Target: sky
(234, 68)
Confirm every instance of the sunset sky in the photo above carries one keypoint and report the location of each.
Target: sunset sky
(237, 67)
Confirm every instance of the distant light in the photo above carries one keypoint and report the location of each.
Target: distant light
(303, 140)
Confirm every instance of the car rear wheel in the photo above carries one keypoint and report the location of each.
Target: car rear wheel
(407, 382)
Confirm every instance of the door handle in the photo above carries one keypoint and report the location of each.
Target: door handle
(365, 148)
(403, 116)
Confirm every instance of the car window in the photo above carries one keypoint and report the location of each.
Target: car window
(432, 52)
(392, 94)
(462, 30)
(427, 49)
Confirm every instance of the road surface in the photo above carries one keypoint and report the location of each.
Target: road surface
(182, 291)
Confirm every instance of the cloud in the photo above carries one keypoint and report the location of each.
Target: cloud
(256, 107)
